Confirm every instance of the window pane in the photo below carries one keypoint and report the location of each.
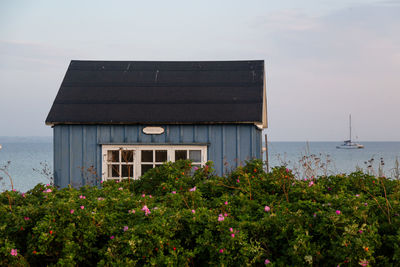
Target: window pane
(113, 170)
(127, 155)
(195, 155)
(127, 170)
(113, 155)
(180, 154)
(147, 155)
(161, 155)
(146, 167)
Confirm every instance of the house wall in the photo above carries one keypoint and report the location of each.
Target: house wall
(77, 148)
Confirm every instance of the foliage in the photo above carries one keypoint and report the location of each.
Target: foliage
(175, 215)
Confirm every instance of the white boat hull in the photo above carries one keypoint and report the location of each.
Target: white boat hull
(350, 147)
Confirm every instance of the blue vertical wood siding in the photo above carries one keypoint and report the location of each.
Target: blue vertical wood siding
(77, 148)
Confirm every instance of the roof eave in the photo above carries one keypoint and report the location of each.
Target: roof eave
(264, 106)
(257, 123)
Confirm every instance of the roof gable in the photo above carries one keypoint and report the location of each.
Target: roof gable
(149, 92)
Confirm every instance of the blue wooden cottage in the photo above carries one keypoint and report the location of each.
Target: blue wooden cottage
(118, 119)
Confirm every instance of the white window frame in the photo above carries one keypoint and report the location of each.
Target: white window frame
(137, 154)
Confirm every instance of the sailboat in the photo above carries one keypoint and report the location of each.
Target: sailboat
(348, 144)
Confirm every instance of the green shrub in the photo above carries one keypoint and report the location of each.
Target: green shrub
(175, 215)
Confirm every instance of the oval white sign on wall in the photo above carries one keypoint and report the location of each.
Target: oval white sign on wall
(153, 130)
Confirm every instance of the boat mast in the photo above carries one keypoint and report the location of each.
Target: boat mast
(350, 127)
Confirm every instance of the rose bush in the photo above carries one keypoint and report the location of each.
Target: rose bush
(175, 215)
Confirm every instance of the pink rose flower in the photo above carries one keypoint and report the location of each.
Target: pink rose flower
(226, 203)
(146, 210)
(221, 218)
(126, 228)
(173, 192)
(232, 235)
(221, 251)
(72, 211)
(193, 211)
(14, 252)
(82, 207)
(267, 261)
(192, 189)
(338, 212)
(267, 209)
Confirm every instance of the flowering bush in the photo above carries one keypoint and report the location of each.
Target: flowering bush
(175, 215)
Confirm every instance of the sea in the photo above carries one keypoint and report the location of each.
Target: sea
(28, 161)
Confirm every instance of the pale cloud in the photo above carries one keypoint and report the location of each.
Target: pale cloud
(389, 2)
(286, 20)
(30, 56)
(396, 59)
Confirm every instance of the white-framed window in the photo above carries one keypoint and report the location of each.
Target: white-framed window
(119, 163)
(132, 161)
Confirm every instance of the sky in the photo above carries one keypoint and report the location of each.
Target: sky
(324, 59)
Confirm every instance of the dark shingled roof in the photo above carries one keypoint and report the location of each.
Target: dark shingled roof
(149, 92)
